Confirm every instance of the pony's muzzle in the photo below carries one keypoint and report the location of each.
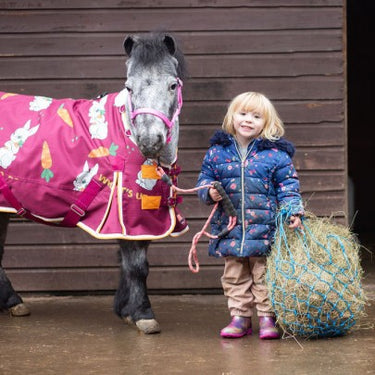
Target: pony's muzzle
(150, 146)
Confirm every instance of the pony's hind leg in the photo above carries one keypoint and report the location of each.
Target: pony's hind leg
(131, 300)
(9, 299)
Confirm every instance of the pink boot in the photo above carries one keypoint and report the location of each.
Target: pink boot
(238, 327)
(267, 328)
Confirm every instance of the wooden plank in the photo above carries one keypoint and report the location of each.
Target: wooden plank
(290, 65)
(323, 159)
(91, 44)
(33, 233)
(88, 89)
(92, 4)
(326, 134)
(322, 135)
(327, 204)
(196, 43)
(25, 233)
(181, 278)
(294, 112)
(314, 182)
(172, 278)
(332, 158)
(59, 256)
(93, 256)
(233, 66)
(311, 88)
(137, 20)
(311, 181)
(77, 68)
(323, 203)
(317, 88)
(35, 280)
(268, 41)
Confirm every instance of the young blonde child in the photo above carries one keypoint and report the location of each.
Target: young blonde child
(253, 163)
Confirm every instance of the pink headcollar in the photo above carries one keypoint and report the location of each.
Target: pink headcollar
(154, 112)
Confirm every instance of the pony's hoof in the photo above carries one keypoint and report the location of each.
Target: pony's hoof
(148, 326)
(19, 310)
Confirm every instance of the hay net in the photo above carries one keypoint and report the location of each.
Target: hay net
(314, 277)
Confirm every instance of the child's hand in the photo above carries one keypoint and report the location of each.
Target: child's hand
(214, 194)
(295, 222)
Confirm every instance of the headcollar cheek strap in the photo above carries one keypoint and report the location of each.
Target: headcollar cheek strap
(179, 100)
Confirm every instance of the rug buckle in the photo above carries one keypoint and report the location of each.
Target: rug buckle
(22, 212)
(77, 210)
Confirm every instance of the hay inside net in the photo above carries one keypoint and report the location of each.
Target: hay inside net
(314, 278)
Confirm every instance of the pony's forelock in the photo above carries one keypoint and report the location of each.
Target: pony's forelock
(150, 49)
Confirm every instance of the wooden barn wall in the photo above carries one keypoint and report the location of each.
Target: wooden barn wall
(291, 50)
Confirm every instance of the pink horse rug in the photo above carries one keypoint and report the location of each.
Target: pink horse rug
(73, 162)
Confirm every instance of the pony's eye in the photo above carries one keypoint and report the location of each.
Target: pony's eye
(128, 86)
(173, 86)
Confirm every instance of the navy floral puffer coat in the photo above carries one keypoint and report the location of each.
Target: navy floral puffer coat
(257, 185)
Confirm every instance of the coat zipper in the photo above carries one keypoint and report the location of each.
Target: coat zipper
(243, 160)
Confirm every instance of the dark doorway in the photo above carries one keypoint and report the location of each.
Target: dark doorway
(361, 111)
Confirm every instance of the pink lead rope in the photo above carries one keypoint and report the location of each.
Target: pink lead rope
(228, 208)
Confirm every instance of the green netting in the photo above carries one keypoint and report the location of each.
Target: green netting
(314, 278)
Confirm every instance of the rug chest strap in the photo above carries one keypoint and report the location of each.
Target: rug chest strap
(76, 212)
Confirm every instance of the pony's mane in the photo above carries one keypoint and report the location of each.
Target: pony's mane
(150, 49)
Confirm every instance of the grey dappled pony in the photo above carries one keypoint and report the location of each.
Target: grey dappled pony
(155, 67)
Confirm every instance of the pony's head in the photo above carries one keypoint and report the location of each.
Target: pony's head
(155, 70)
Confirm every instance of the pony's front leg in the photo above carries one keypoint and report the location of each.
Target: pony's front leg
(131, 300)
(9, 299)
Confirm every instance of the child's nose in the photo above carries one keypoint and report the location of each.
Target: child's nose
(249, 117)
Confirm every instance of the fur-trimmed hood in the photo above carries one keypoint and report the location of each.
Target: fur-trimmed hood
(225, 139)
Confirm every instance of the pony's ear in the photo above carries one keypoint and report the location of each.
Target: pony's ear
(129, 44)
(170, 43)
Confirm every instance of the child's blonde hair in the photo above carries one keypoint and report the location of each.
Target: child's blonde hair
(254, 101)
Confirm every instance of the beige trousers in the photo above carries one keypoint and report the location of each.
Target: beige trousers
(244, 286)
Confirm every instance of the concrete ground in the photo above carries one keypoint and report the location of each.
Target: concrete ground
(81, 335)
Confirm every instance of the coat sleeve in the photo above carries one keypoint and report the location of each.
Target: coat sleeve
(205, 177)
(287, 186)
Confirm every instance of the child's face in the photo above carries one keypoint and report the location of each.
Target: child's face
(248, 125)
